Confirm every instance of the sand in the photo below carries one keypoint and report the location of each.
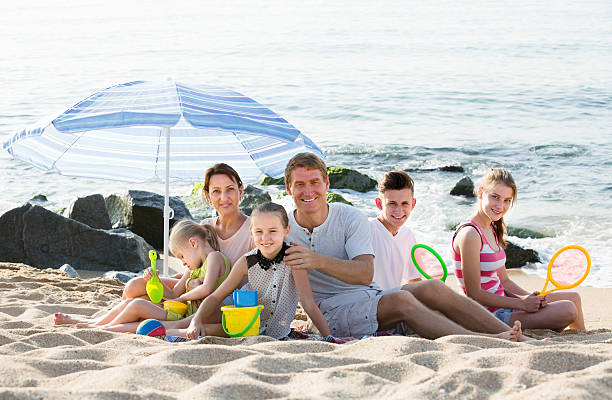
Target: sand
(38, 360)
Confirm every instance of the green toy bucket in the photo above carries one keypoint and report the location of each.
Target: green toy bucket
(241, 321)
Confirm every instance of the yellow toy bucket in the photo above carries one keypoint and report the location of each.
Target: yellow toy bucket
(241, 321)
(175, 306)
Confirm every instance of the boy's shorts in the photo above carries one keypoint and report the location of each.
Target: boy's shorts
(504, 314)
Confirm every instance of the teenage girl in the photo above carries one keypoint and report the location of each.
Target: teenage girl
(478, 247)
(206, 268)
(278, 286)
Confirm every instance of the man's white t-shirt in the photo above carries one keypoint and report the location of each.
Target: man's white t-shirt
(392, 263)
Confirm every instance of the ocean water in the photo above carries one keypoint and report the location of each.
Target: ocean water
(378, 85)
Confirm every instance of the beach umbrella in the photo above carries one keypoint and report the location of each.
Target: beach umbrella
(146, 131)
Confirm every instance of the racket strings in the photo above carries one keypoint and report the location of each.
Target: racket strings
(569, 267)
(429, 263)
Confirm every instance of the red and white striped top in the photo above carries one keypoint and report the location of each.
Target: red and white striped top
(490, 262)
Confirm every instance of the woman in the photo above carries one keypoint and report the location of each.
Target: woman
(223, 189)
(478, 247)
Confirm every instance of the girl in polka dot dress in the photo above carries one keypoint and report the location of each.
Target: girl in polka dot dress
(278, 287)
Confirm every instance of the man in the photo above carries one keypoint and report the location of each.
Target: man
(392, 240)
(332, 242)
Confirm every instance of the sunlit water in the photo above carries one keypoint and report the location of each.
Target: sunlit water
(378, 85)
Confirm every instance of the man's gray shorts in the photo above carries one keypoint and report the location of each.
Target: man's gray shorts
(354, 314)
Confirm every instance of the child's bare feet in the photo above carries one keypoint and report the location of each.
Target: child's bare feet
(65, 319)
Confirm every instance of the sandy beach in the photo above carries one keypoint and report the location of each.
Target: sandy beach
(39, 360)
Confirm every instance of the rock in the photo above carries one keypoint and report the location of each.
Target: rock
(116, 213)
(273, 181)
(142, 213)
(67, 269)
(516, 256)
(452, 168)
(339, 178)
(38, 199)
(346, 178)
(252, 197)
(123, 276)
(90, 210)
(337, 198)
(524, 233)
(465, 187)
(446, 168)
(36, 236)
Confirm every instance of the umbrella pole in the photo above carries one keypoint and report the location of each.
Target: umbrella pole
(167, 209)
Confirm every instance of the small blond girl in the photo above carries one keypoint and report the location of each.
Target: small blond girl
(196, 246)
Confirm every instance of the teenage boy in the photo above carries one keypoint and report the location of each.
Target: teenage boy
(392, 240)
(333, 242)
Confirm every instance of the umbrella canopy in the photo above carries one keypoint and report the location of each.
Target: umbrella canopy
(117, 134)
(124, 133)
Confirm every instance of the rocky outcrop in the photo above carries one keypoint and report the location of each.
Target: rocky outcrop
(524, 233)
(337, 198)
(446, 168)
(272, 181)
(339, 178)
(38, 199)
(465, 187)
(36, 236)
(346, 178)
(90, 210)
(516, 256)
(68, 270)
(252, 197)
(123, 276)
(142, 213)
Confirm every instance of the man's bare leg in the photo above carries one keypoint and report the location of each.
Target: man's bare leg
(403, 306)
(461, 309)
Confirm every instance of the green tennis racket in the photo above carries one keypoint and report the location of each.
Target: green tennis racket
(428, 262)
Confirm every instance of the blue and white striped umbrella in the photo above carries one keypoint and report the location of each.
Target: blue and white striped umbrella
(118, 134)
(124, 133)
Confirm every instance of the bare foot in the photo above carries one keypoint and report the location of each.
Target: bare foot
(517, 333)
(513, 335)
(65, 319)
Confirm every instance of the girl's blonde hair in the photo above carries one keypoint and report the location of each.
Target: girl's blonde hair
(493, 177)
(183, 230)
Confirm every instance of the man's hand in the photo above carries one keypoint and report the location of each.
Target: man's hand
(301, 257)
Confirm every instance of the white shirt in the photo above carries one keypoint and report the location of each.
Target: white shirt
(392, 263)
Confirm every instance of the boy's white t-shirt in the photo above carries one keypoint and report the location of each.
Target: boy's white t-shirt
(392, 263)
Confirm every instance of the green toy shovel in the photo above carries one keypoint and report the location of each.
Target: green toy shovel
(155, 290)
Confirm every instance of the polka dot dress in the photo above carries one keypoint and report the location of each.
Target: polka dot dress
(276, 291)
